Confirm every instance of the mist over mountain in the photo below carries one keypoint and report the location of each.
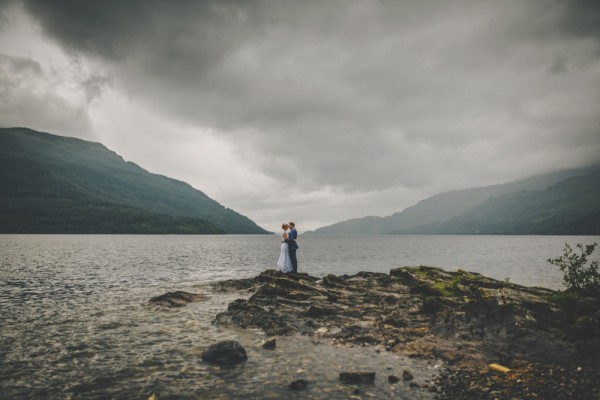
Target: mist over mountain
(448, 212)
(54, 184)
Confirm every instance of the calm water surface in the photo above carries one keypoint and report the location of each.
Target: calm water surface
(74, 320)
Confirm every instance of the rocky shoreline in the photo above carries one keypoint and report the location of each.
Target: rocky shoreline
(493, 339)
(464, 320)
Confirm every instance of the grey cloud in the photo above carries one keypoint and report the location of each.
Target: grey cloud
(94, 86)
(582, 18)
(362, 95)
(23, 66)
(26, 100)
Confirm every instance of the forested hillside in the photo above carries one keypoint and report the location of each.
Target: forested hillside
(435, 214)
(571, 206)
(55, 184)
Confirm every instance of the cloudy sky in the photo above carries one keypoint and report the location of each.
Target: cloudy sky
(315, 111)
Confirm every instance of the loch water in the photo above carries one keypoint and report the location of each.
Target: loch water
(75, 321)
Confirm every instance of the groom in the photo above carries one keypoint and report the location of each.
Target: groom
(293, 246)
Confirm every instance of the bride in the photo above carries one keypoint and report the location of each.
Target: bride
(285, 263)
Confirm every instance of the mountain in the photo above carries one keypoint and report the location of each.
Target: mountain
(571, 206)
(444, 206)
(55, 184)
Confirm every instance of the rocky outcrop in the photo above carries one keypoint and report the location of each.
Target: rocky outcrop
(463, 318)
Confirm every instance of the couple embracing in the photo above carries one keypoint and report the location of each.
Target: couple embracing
(287, 258)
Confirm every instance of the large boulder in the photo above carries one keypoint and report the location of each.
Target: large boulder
(226, 352)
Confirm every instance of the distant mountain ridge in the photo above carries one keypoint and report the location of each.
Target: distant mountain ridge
(55, 184)
(569, 207)
(435, 214)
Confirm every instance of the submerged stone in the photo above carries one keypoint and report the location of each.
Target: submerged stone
(177, 299)
(226, 352)
(299, 384)
(354, 378)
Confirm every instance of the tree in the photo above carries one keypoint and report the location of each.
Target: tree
(583, 279)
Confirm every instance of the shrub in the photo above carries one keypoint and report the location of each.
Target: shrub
(583, 279)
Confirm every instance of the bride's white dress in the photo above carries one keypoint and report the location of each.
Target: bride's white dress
(285, 262)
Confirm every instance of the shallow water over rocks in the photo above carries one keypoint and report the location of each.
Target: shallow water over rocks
(133, 349)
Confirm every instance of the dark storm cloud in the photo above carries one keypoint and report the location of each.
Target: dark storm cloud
(361, 95)
(582, 18)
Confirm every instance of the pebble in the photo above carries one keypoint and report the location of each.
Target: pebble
(269, 344)
(407, 376)
(299, 384)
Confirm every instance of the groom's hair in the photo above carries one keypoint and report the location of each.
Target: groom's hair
(293, 225)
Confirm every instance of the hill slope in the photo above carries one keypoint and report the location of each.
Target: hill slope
(444, 206)
(46, 178)
(571, 206)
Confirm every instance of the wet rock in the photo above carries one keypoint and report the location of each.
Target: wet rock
(584, 327)
(333, 281)
(318, 311)
(393, 379)
(407, 376)
(226, 352)
(269, 344)
(176, 299)
(432, 305)
(461, 318)
(299, 384)
(354, 378)
(458, 319)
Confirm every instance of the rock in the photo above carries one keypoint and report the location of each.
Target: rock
(317, 311)
(269, 344)
(176, 299)
(226, 352)
(333, 281)
(432, 305)
(299, 384)
(414, 385)
(584, 328)
(461, 317)
(407, 376)
(354, 378)
(393, 379)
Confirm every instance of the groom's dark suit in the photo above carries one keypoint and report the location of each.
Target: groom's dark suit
(292, 247)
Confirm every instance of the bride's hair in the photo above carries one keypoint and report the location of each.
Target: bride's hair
(284, 226)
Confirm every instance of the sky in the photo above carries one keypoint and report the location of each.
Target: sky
(312, 111)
